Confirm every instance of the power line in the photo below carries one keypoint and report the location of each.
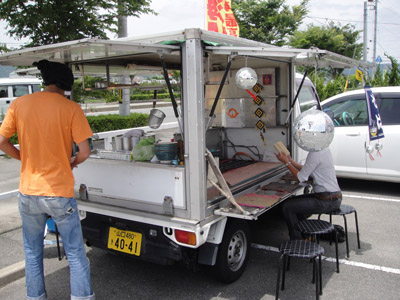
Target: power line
(350, 21)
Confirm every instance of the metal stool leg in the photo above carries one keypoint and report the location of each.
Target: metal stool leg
(347, 236)
(320, 275)
(358, 233)
(316, 271)
(337, 252)
(284, 271)
(280, 265)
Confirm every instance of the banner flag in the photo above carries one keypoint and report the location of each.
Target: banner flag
(374, 119)
(220, 17)
(359, 75)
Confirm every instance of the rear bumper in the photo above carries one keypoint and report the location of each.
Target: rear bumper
(155, 247)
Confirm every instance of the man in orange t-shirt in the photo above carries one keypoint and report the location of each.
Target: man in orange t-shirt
(48, 124)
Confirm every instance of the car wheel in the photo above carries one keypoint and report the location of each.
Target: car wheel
(233, 252)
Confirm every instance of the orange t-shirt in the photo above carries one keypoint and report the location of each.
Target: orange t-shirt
(47, 125)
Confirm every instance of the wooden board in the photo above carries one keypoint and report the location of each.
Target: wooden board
(280, 186)
(247, 173)
(257, 200)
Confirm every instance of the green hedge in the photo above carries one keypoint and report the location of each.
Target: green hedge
(115, 122)
(109, 122)
(14, 139)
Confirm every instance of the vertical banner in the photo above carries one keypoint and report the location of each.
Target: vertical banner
(374, 118)
(220, 17)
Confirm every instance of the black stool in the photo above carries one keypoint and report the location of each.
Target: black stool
(302, 249)
(344, 210)
(314, 228)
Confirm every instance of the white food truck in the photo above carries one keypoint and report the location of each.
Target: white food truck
(197, 211)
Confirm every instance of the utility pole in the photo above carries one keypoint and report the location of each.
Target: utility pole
(375, 29)
(365, 51)
(124, 104)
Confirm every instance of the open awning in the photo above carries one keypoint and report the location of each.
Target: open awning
(300, 57)
(94, 51)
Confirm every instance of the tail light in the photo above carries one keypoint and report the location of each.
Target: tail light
(185, 237)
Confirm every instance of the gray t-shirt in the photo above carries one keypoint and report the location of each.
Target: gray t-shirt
(319, 165)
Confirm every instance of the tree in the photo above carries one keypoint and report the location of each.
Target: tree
(268, 21)
(333, 37)
(3, 48)
(49, 21)
(393, 77)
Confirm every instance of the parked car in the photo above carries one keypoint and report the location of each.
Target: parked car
(308, 96)
(355, 156)
(11, 88)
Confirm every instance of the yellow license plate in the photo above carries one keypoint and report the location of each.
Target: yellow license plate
(125, 241)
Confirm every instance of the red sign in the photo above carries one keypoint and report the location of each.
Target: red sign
(220, 17)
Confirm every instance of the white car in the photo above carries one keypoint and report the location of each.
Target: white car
(11, 88)
(355, 156)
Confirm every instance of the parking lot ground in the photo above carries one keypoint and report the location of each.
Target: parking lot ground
(372, 272)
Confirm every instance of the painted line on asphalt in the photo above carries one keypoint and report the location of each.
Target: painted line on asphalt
(9, 194)
(341, 261)
(372, 198)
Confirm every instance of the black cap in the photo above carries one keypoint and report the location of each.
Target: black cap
(55, 73)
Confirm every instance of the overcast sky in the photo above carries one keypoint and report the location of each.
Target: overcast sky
(179, 14)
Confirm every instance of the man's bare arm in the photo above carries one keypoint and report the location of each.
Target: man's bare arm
(8, 148)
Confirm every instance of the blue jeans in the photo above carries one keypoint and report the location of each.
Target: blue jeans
(34, 212)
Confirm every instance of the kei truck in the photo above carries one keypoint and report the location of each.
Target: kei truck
(214, 169)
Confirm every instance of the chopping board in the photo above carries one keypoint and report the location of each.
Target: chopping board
(248, 173)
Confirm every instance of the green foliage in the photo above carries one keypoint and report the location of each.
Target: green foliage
(328, 86)
(333, 37)
(115, 122)
(268, 21)
(14, 139)
(393, 77)
(50, 21)
(3, 48)
(109, 122)
(102, 94)
(387, 78)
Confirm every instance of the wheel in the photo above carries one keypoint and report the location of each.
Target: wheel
(348, 118)
(233, 252)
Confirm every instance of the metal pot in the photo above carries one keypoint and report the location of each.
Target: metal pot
(118, 143)
(101, 85)
(156, 117)
(127, 143)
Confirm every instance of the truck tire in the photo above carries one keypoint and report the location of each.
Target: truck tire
(233, 252)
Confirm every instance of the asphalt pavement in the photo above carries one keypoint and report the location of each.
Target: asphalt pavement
(371, 272)
(12, 264)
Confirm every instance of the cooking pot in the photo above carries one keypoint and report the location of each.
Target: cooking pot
(101, 85)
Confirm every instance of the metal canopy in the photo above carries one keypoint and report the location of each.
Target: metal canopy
(301, 57)
(89, 50)
(324, 59)
(273, 52)
(146, 50)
